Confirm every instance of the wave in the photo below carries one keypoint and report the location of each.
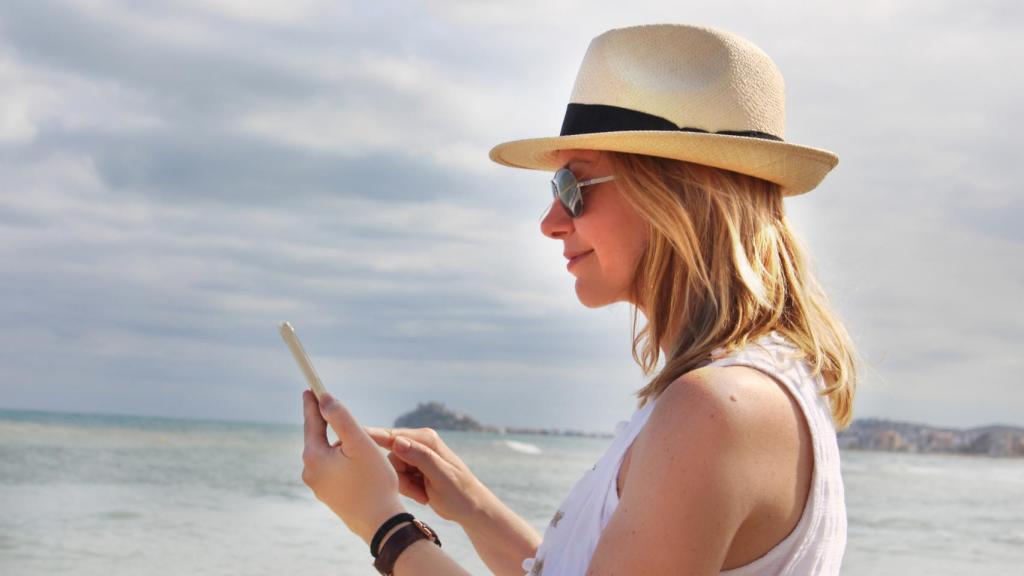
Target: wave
(522, 447)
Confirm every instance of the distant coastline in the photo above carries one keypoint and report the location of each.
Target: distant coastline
(892, 436)
(867, 434)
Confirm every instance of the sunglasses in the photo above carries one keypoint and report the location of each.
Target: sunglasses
(569, 190)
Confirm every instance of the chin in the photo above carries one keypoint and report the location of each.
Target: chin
(594, 298)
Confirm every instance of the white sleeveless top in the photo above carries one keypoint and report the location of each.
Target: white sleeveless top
(814, 547)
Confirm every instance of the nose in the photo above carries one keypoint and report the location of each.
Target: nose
(556, 222)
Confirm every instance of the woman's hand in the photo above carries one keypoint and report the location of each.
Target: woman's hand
(430, 473)
(352, 477)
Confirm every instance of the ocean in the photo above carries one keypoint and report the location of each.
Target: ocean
(91, 495)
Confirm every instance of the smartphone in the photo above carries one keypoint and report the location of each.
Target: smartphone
(302, 359)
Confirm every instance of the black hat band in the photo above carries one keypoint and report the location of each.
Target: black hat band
(595, 118)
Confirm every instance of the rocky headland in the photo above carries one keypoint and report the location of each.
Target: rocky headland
(437, 416)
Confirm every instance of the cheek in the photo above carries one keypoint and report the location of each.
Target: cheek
(619, 237)
(633, 244)
(631, 259)
(622, 257)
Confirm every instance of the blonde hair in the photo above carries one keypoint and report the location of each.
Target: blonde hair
(723, 267)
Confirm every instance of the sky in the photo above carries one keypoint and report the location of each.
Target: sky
(180, 177)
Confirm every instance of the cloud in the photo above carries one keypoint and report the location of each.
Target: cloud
(181, 177)
(39, 100)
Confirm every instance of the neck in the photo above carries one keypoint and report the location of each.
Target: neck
(668, 342)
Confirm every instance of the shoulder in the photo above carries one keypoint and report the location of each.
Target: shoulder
(739, 419)
(717, 407)
(697, 471)
(735, 419)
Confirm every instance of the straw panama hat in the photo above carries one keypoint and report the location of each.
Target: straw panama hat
(684, 92)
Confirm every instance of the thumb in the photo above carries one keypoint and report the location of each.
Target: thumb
(419, 455)
(349, 431)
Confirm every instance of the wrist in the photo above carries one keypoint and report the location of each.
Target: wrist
(484, 508)
(391, 532)
(395, 546)
(367, 531)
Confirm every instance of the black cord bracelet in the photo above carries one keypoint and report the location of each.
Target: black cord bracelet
(388, 525)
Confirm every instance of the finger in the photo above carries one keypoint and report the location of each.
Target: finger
(352, 436)
(429, 463)
(382, 436)
(400, 465)
(410, 479)
(413, 487)
(315, 429)
(426, 436)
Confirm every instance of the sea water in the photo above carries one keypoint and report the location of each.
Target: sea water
(107, 495)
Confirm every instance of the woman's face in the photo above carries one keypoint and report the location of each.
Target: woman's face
(603, 245)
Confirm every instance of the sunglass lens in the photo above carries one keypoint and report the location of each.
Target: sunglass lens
(566, 188)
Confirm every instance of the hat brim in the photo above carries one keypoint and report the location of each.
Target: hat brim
(796, 169)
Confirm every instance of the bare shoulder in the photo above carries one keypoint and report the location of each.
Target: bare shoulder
(746, 407)
(738, 416)
(697, 475)
(706, 410)
(744, 418)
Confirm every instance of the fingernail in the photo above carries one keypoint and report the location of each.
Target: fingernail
(402, 445)
(326, 399)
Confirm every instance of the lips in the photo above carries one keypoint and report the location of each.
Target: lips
(575, 257)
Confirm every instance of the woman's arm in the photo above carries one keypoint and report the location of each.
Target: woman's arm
(423, 558)
(502, 538)
(430, 473)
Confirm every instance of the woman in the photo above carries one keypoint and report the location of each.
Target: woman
(669, 177)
